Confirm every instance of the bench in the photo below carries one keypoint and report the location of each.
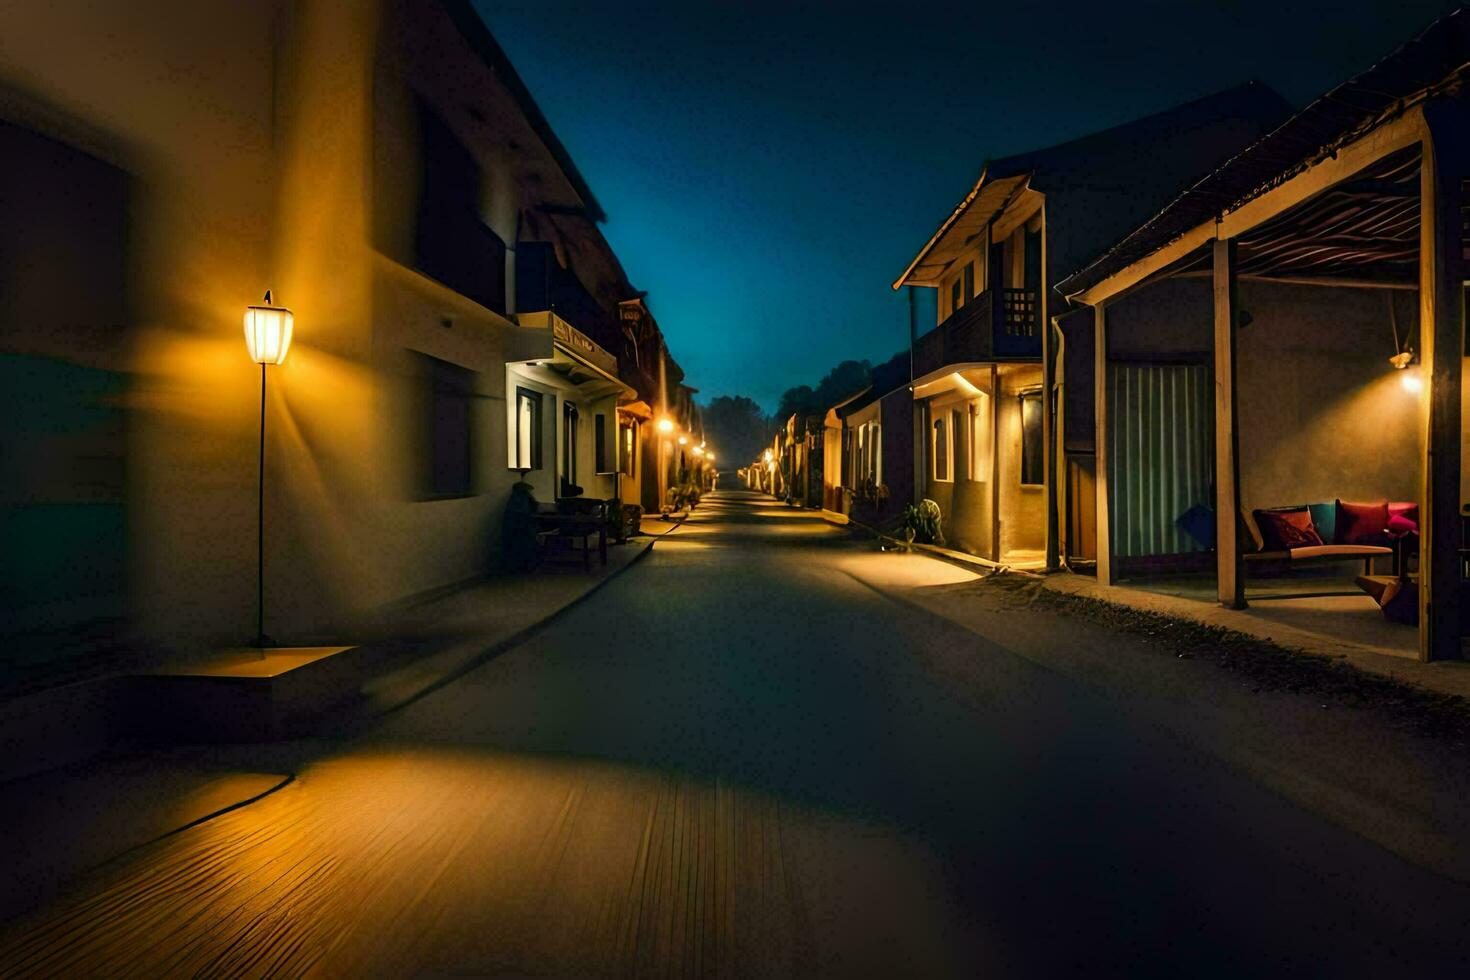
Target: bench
(1343, 533)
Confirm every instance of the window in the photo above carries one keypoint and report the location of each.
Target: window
(599, 443)
(969, 281)
(867, 457)
(568, 445)
(629, 433)
(981, 438)
(528, 429)
(449, 429)
(941, 447)
(1031, 446)
(956, 298)
(452, 243)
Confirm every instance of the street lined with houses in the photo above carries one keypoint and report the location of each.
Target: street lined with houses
(848, 785)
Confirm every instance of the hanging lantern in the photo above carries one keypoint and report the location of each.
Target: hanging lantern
(268, 332)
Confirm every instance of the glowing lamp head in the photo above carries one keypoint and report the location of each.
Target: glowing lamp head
(709, 456)
(268, 332)
(683, 441)
(1402, 359)
(665, 425)
(1411, 381)
(698, 451)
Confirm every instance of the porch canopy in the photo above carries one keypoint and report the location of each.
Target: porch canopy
(1364, 188)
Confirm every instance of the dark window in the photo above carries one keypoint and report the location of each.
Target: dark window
(1031, 447)
(453, 245)
(599, 443)
(956, 297)
(449, 425)
(969, 281)
(528, 429)
(569, 445)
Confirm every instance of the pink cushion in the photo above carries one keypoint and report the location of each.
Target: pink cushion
(1364, 523)
(1403, 513)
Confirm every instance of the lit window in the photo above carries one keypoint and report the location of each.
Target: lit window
(528, 429)
(941, 447)
(629, 431)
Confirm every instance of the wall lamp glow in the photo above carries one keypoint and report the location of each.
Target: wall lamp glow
(683, 441)
(767, 456)
(665, 426)
(268, 338)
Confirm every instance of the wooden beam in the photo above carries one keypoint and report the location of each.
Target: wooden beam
(1048, 401)
(1388, 138)
(994, 462)
(1231, 576)
(1100, 414)
(1446, 164)
(1333, 281)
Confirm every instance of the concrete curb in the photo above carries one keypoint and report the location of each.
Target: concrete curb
(496, 647)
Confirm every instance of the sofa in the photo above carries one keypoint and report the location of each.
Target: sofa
(1336, 531)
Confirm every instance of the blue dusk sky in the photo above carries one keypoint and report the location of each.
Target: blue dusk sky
(768, 170)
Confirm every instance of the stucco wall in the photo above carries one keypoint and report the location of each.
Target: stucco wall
(1022, 508)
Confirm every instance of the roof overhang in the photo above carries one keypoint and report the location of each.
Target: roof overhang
(986, 200)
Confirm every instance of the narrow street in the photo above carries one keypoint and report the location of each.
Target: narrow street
(738, 759)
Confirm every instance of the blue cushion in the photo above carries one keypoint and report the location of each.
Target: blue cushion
(1199, 523)
(1325, 517)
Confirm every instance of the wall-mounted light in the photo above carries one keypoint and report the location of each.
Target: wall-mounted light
(665, 425)
(767, 456)
(683, 441)
(698, 450)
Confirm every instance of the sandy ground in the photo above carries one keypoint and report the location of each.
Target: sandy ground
(740, 759)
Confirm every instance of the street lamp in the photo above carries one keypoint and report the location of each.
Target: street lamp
(268, 338)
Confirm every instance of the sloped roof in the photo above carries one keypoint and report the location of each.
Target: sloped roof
(1102, 184)
(1433, 61)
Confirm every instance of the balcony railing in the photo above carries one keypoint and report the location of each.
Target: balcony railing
(996, 324)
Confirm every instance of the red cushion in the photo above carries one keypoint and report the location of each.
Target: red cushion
(1405, 511)
(1282, 530)
(1361, 523)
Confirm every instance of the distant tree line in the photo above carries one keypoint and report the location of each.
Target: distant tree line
(740, 429)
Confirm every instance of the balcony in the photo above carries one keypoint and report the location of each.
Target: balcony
(984, 329)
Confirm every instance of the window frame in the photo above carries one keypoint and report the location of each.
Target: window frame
(1032, 458)
(941, 446)
(536, 401)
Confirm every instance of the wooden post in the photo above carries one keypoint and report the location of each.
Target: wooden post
(1231, 577)
(1445, 164)
(994, 462)
(1100, 458)
(1058, 448)
(1048, 400)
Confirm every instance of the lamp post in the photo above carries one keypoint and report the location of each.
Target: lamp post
(268, 338)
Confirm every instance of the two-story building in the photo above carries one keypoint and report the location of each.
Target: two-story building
(983, 378)
(378, 166)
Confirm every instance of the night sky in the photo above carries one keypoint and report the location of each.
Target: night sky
(769, 170)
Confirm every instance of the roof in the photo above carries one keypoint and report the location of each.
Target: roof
(1101, 185)
(887, 378)
(473, 27)
(1431, 62)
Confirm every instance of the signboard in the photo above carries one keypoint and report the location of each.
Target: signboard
(582, 345)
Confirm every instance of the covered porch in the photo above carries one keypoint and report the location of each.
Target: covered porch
(1278, 361)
